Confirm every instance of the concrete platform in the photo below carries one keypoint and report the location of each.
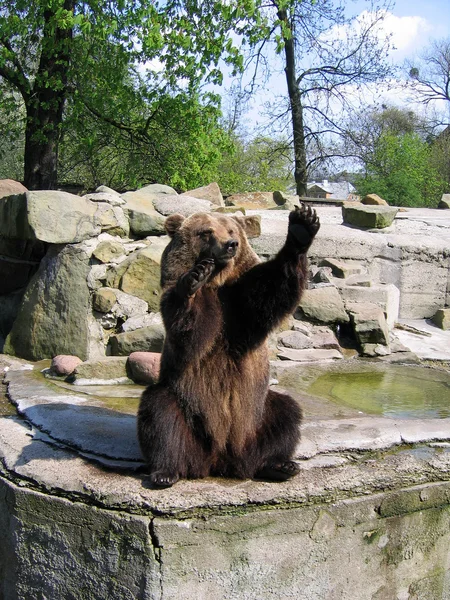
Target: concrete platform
(367, 518)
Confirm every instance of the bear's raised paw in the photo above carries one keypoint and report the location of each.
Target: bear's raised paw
(303, 226)
(192, 281)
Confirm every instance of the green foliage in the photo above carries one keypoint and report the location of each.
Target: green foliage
(260, 165)
(92, 59)
(181, 146)
(400, 171)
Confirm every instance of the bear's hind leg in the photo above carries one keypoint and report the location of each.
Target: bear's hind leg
(277, 438)
(168, 444)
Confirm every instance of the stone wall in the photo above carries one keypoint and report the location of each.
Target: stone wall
(376, 547)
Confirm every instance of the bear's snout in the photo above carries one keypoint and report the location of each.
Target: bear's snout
(231, 247)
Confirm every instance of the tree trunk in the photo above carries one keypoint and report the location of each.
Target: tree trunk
(300, 170)
(45, 106)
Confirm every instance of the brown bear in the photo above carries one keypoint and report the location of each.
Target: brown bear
(212, 412)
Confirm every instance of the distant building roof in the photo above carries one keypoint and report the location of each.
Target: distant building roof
(336, 189)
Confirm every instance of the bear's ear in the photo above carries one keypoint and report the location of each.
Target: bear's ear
(251, 225)
(173, 223)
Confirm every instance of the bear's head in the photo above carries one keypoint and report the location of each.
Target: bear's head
(202, 235)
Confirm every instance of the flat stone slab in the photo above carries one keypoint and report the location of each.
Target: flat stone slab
(78, 420)
(433, 345)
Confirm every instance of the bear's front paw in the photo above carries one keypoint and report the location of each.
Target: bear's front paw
(303, 226)
(193, 280)
(278, 471)
(163, 479)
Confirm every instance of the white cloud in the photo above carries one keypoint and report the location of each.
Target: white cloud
(407, 34)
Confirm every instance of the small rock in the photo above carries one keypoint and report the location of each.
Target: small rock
(442, 317)
(128, 306)
(374, 199)
(9, 187)
(141, 321)
(157, 188)
(144, 366)
(342, 269)
(324, 339)
(369, 217)
(323, 304)
(295, 339)
(112, 219)
(111, 198)
(108, 251)
(111, 369)
(284, 200)
(302, 327)
(106, 190)
(443, 203)
(369, 323)
(146, 223)
(359, 281)
(323, 275)
(64, 364)
(104, 300)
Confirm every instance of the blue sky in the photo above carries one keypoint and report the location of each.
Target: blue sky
(413, 24)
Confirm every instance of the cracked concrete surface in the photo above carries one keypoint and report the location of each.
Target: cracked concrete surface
(368, 517)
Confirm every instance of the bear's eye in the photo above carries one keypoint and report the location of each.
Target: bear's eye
(231, 232)
(205, 233)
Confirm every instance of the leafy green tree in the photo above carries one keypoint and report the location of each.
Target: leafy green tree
(261, 164)
(56, 53)
(326, 57)
(181, 145)
(400, 171)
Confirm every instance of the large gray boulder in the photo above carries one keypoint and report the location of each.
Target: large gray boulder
(9, 187)
(147, 339)
(369, 217)
(140, 273)
(53, 317)
(61, 218)
(369, 323)
(58, 217)
(210, 192)
(323, 304)
(184, 205)
(144, 219)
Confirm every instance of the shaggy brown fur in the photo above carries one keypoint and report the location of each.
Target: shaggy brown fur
(212, 411)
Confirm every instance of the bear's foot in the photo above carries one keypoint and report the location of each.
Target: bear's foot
(303, 226)
(278, 471)
(163, 479)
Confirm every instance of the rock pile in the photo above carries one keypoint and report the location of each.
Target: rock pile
(80, 275)
(79, 281)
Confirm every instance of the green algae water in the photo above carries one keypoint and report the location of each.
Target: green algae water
(401, 392)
